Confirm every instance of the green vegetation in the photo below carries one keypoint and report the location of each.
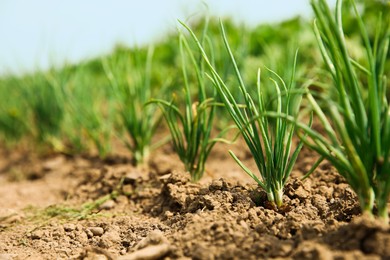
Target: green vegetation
(13, 123)
(130, 74)
(357, 124)
(90, 109)
(191, 127)
(269, 142)
(45, 102)
(127, 94)
(88, 210)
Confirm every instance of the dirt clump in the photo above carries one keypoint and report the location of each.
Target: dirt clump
(80, 209)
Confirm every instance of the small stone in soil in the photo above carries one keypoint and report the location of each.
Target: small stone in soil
(38, 234)
(69, 227)
(96, 231)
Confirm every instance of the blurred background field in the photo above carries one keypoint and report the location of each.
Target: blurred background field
(83, 105)
(43, 33)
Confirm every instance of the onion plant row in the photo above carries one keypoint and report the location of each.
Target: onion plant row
(269, 142)
(357, 121)
(130, 79)
(124, 96)
(191, 127)
(91, 118)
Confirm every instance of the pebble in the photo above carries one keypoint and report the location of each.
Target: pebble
(69, 227)
(96, 231)
(38, 234)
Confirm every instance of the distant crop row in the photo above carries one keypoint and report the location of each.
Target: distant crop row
(267, 84)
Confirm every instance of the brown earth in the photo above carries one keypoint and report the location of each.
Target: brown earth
(63, 207)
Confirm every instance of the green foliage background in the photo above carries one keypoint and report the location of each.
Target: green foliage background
(73, 108)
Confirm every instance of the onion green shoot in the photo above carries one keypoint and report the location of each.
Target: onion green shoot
(44, 93)
(130, 77)
(91, 114)
(358, 123)
(191, 129)
(13, 123)
(270, 143)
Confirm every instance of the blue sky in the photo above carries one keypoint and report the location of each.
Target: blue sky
(37, 34)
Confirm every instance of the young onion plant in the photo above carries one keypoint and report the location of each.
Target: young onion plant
(13, 112)
(269, 140)
(357, 124)
(191, 127)
(90, 107)
(130, 77)
(44, 93)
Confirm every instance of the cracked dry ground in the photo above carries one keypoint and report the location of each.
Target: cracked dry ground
(61, 207)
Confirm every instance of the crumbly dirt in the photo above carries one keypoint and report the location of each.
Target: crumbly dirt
(79, 207)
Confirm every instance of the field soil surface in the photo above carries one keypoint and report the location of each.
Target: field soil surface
(79, 207)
